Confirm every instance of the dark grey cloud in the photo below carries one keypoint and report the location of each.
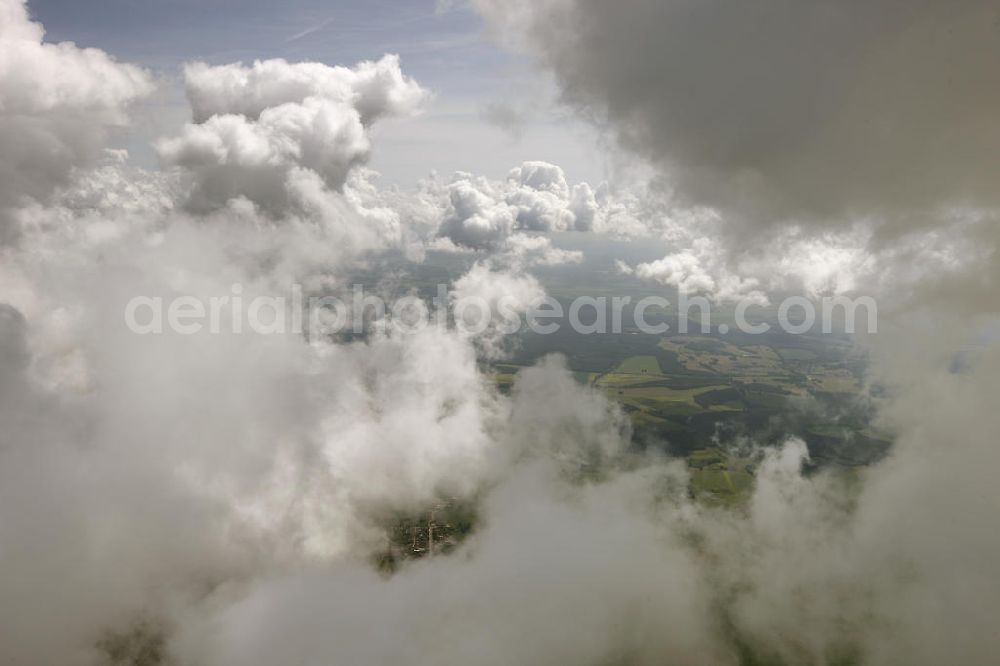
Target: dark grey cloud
(13, 348)
(782, 109)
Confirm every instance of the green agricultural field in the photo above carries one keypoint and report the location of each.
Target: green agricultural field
(685, 393)
(795, 354)
(639, 365)
(664, 394)
(719, 479)
(617, 379)
(644, 419)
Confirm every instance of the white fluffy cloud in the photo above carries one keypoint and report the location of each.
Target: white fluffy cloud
(256, 127)
(535, 196)
(701, 269)
(57, 104)
(525, 250)
(374, 88)
(544, 201)
(473, 217)
(488, 303)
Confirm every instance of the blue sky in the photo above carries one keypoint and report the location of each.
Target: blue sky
(444, 48)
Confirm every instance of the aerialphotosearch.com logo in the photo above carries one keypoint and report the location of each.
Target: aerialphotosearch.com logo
(329, 315)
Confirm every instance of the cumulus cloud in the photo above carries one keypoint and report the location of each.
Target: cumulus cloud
(374, 88)
(535, 197)
(510, 601)
(526, 250)
(780, 114)
(488, 304)
(156, 501)
(57, 104)
(256, 129)
(474, 217)
(543, 202)
(214, 499)
(701, 269)
(263, 480)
